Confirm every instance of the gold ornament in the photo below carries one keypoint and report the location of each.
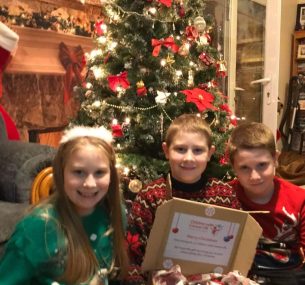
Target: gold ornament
(222, 66)
(140, 84)
(184, 50)
(170, 59)
(135, 185)
(190, 81)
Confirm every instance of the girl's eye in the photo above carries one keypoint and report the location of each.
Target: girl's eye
(78, 172)
(244, 168)
(100, 172)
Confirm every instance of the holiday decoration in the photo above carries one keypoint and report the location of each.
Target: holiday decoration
(200, 23)
(73, 62)
(8, 45)
(154, 61)
(57, 20)
(135, 185)
(141, 89)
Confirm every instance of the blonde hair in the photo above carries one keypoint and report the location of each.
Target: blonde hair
(81, 262)
(251, 135)
(188, 123)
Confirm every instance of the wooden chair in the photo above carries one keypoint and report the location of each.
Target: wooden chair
(42, 185)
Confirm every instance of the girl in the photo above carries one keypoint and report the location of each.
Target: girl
(76, 236)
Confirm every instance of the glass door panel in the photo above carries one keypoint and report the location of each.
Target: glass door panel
(253, 55)
(249, 59)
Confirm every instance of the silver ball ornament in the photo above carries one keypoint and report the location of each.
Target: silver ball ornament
(200, 24)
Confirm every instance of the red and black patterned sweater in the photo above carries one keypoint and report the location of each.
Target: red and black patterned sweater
(153, 195)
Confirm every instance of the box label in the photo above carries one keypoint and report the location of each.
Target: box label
(201, 239)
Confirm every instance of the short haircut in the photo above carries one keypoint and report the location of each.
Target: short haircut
(251, 135)
(188, 123)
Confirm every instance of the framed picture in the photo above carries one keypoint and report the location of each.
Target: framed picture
(300, 20)
(301, 51)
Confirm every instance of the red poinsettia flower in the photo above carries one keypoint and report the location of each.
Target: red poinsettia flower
(200, 97)
(133, 243)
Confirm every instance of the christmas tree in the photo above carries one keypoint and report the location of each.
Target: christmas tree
(154, 60)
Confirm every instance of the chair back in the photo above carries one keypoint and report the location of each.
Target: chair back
(42, 185)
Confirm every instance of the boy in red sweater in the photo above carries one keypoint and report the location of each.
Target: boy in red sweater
(188, 148)
(253, 155)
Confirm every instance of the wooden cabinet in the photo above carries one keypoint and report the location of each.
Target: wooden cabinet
(298, 55)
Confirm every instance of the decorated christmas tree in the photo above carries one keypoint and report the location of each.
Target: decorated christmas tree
(154, 60)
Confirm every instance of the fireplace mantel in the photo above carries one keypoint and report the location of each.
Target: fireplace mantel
(38, 50)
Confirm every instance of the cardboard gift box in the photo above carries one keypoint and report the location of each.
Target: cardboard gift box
(201, 238)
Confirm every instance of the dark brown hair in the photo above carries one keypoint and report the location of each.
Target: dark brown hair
(251, 135)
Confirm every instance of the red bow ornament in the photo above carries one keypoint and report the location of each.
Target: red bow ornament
(73, 62)
(168, 42)
(200, 98)
(118, 80)
(167, 3)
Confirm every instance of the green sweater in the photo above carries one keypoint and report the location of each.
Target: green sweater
(35, 254)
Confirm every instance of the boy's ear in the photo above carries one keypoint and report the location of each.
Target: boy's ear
(211, 151)
(276, 157)
(165, 149)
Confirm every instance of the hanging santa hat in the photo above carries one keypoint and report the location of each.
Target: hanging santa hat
(8, 45)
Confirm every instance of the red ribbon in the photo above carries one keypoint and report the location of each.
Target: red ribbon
(168, 42)
(167, 3)
(118, 80)
(73, 62)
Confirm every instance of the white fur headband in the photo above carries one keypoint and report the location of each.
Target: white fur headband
(81, 131)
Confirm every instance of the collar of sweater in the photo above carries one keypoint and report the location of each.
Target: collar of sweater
(189, 187)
